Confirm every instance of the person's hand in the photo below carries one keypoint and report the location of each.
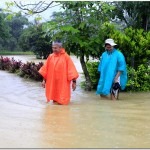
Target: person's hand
(73, 86)
(115, 80)
(43, 83)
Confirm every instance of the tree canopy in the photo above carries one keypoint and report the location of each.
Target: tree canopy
(135, 14)
(11, 28)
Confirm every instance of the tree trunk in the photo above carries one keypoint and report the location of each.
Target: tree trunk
(88, 83)
(145, 22)
(132, 62)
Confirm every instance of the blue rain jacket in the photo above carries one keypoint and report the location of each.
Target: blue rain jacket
(110, 64)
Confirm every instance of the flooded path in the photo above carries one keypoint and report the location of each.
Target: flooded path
(26, 121)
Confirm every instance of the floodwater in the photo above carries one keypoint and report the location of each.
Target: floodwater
(27, 121)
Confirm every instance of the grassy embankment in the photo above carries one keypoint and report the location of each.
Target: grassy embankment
(16, 53)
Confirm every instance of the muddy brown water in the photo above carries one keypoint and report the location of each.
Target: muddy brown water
(26, 121)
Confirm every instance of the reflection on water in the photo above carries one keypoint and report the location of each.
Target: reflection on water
(27, 121)
(59, 126)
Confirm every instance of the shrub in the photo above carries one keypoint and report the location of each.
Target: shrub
(132, 84)
(26, 70)
(30, 70)
(138, 80)
(135, 45)
(14, 65)
(4, 63)
(35, 73)
(93, 72)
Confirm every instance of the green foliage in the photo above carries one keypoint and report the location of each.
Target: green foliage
(3, 28)
(34, 39)
(93, 72)
(135, 45)
(9, 17)
(134, 13)
(138, 79)
(17, 24)
(80, 26)
(132, 84)
(9, 4)
(13, 26)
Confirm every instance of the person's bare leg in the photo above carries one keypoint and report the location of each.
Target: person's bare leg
(55, 102)
(112, 97)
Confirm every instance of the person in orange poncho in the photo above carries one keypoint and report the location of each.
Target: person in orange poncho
(58, 73)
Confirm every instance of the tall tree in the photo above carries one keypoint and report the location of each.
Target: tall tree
(135, 14)
(4, 31)
(34, 39)
(3, 27)
(15, 25)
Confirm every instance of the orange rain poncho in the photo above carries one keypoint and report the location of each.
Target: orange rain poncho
(58, 71)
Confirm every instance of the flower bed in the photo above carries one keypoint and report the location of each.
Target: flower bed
(26, 70)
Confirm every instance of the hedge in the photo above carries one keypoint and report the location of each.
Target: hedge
(27, 70)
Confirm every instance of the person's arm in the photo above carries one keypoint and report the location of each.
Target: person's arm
(74, 84)
(117, 76)
(43, 71)
(43, 83)
(100, 63)
(44, 68)
(72, 73)
(120, 67)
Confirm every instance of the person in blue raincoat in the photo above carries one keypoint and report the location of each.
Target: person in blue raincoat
(112, 68)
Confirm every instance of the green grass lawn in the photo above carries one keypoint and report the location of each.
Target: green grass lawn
(16, 53)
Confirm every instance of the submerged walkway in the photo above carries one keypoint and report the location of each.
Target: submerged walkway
(26, 121)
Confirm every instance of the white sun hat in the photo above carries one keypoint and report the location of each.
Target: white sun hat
(110, 42)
